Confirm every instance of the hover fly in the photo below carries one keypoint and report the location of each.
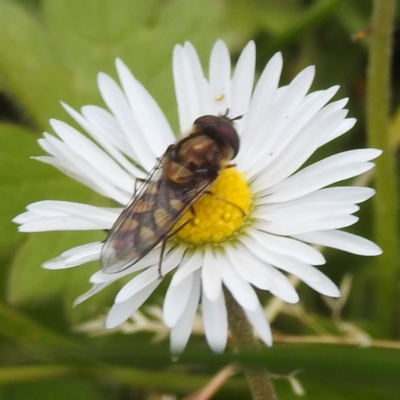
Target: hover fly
(181, 176)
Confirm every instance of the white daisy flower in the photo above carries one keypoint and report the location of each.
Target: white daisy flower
(288, 208)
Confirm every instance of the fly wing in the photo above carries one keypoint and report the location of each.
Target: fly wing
(147, 220)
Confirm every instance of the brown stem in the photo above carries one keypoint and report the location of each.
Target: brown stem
(258, 377)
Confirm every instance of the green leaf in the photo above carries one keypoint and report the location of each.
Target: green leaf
(60, 390)
(31, 69)
(91, 34)
(59, 58)
(273, 17)
(29, 282)
(21, 179)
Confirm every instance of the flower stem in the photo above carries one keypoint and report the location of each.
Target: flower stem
(386, 200)
(258, 378)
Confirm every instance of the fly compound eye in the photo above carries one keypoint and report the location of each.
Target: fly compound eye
(220, 129)
(227, 132)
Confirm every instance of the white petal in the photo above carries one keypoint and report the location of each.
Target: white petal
(310, 211)
(267, 133)
(62, 215)
(211, 276)
(186, 90)
(187, 267)
(264, 94)
(241, 290)
(349, 194)
(150, 275)
(303, 226)
(96, 122)
(260, 108)
(288, 246)
(306, 126)
(202, 85)
(307, 273)
(151, 259)
(300, 148)
(330, 170)
(343, 241)
(249, 267)
(180, 333)
(288, 100)
(120, 312)
(56, 208)
(175, 301)
(66, 168)
(215, 322)
(220, 72)
(94, 290)
(324, 286)
(60, 224)
(103, 123)
(76, 256)
(152, 121)
(289, 264)
(345, 126)
(77, 167)
(260, 324)
(282, 287)
(93, 155)
(118, 104)
(242, 84)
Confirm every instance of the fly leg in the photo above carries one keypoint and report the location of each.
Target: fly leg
(164, 242)
(226, 201)
(140, 180)
(222, 198)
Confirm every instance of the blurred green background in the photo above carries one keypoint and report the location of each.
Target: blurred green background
(52, 50)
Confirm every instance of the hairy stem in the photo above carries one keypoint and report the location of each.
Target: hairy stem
(386, 200)
(259, 379)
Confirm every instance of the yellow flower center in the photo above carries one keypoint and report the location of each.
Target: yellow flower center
(218, 216)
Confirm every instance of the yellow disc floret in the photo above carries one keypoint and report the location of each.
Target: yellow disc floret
(220, 214)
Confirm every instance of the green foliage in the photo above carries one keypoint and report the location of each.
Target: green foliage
(64, 390)
(52, 50)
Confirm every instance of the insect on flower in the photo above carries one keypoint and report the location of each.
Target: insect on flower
(263, 217)
(180, 177)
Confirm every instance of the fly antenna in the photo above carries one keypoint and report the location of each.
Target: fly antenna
(236, 118)
(232, 119)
